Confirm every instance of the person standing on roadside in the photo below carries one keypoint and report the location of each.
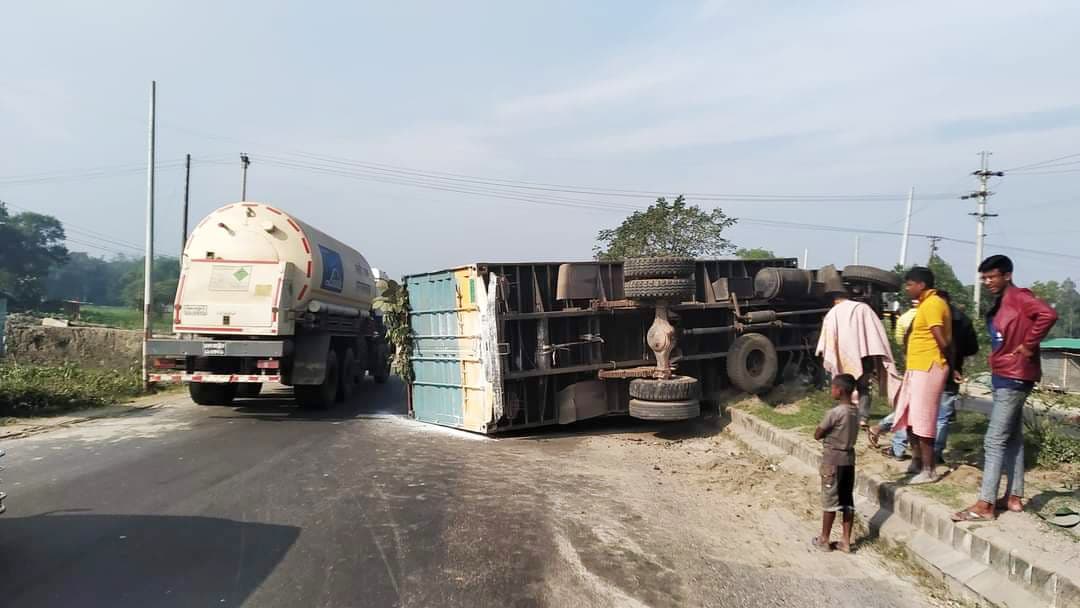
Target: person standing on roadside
(927, 370)
(964, 344)
(1017, 323)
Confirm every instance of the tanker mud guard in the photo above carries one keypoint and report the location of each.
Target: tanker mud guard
(309, 359)
(489, 342)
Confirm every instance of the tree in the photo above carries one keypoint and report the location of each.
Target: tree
(945, 279)
(1065, 299)
(166, 276)
(666, 228)
(756, 253)
(31, 245)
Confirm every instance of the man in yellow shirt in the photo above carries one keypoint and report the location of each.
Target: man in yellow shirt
(927, 371)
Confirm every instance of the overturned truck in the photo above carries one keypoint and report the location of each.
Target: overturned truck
(498, 347)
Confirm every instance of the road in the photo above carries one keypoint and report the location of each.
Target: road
(261, 504)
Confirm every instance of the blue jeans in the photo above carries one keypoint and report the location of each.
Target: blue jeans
(1003, 445)
(899, 438)
(945, 412)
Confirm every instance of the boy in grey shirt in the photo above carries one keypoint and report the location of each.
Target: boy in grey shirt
(837, 433)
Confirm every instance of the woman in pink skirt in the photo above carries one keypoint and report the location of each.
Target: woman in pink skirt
(927, 370)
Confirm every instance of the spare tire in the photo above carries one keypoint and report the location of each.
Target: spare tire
(660, 289)
(875, 276)
(665, 410)
(678, 388)
(658, 268)
(752, 363)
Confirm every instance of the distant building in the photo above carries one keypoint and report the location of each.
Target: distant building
(1061, 364)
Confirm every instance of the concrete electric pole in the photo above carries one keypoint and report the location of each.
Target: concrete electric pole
(244, 162)
(148, 262)
(907, 229)
(984, 174)
(187, 190)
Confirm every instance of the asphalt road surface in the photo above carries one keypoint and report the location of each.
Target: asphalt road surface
(261, 504)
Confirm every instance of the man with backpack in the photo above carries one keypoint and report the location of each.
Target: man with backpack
(965, 343)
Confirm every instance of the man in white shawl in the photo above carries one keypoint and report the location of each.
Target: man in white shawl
(853, 341)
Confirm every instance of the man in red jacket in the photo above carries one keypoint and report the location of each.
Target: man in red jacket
(1017, 323)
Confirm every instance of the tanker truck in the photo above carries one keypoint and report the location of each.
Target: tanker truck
(266, 298)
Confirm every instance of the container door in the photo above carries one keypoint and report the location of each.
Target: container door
(449, 386)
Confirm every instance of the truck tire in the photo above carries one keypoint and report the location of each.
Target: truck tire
(350, 379)
(678, 388)
(752, 363)
(658, 268)
(665, 410)
(320, 396)
(660, 289)
(212, 393)
(248, 389)
(875, 276)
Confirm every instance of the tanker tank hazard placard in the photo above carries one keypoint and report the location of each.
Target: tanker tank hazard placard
(230, 278)
(333, 271)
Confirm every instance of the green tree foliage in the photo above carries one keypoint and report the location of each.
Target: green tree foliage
(31, 245)
(945, 279)
(1065, 299)
(393, 303)
(166, 277)
(91, 279)
(756, 253)
(666, 228)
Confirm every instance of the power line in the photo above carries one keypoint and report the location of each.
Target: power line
(1044, 162)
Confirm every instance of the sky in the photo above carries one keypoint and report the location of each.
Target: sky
(418, 132)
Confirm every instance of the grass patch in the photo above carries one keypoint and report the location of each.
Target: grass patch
(952, 495)
(112, 316)
(35, 390)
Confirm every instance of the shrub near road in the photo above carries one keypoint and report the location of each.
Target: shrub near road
(31, 390)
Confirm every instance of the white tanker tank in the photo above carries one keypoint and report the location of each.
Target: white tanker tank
(250, 268)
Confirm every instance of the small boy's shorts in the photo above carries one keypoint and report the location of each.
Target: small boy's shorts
(837, 487)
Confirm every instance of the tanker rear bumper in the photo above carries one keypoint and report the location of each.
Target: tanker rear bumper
(218, 348)
(168, 378)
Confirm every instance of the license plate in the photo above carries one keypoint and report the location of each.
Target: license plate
(213, 348)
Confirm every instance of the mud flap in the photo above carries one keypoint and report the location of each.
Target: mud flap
(309, 359)
(582, 400)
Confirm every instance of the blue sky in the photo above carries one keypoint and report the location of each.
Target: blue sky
(837, 98)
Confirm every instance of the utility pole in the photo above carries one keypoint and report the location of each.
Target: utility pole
(187, 190)
(934, 240)
(856, 249)
(806, 258)
(148, 262)
(907, 228)
(984, 174)
(244, 162)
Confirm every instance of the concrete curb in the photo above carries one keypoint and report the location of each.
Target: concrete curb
(44, 428)
(939, 541)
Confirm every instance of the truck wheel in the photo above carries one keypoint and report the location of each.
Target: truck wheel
(665, 410)
(320, 396)
(659, 289)
(212, 393)
(248, 389)
(752, 363)
(350, 379)
(658, 268)
(679, 388)
(875, 276)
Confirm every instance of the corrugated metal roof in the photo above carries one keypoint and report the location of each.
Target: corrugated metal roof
(1061, 344)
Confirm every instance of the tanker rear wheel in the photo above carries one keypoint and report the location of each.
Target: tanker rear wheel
(207, 393)
(320, 396)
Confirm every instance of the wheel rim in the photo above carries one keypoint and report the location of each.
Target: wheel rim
(755, 362)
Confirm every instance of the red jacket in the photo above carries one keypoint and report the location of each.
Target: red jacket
(1022, 319)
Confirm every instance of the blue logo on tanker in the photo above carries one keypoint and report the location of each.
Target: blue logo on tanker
(333, 272)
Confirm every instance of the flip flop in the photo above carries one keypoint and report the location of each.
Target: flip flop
(820, 546)
(872, 437)
(1002, 504)
(841, 547)
(968, 515)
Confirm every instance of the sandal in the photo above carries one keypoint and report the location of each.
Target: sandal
(817, 543)
(969, 515)
(841, 547)
(872, 437)
(1002, 504)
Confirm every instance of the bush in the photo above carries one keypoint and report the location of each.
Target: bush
(28, 390)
